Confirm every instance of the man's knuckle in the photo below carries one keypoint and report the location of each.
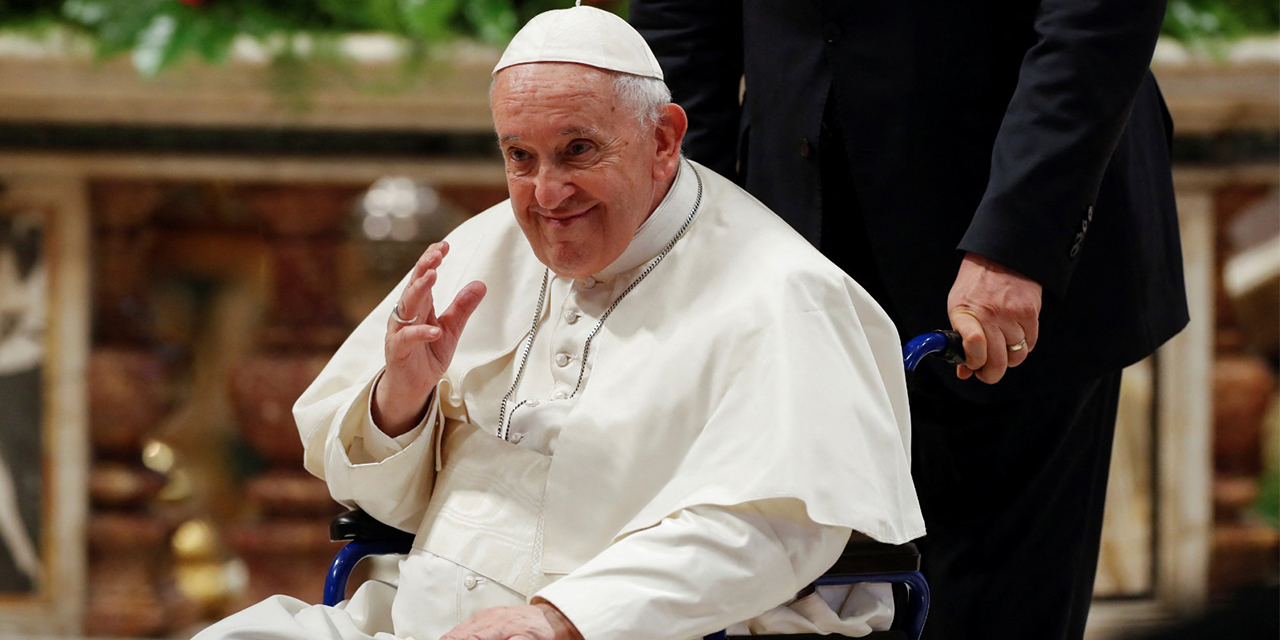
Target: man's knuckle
(985, 309)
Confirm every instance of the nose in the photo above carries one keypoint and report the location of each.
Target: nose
(551, 187)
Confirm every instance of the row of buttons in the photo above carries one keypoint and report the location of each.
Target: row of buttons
(571, 316)
(564, 358)
(560, 394)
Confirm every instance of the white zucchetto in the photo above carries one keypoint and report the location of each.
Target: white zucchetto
(584, 35)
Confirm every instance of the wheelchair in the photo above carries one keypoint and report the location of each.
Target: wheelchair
(863, 560)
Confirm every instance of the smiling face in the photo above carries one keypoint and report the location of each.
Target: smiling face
(583, 171)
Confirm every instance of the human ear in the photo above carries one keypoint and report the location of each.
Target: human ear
(669, 135)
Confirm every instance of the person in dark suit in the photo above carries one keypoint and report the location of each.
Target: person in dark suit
(998, 167)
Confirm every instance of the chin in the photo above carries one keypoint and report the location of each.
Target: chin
(576, 259)
(573, 266)
(572, 272)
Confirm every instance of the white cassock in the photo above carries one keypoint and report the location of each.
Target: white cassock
(739, 411)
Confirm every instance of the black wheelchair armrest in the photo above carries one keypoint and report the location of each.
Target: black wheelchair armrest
(862, 555)
(358, 525)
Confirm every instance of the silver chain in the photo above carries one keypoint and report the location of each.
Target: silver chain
(504, 424)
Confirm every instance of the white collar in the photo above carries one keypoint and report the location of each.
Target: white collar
(661, 226)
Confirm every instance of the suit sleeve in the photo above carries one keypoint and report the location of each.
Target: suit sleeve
(1075, 89)
(699, 46)
(697, 572)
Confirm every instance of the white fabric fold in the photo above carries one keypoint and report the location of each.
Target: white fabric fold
(656, 583)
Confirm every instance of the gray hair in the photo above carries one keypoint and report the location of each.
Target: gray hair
(647, 97)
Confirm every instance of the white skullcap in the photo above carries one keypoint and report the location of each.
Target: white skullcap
(585, 35)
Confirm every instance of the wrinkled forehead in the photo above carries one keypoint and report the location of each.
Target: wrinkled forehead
(549, 77)
(554, 95)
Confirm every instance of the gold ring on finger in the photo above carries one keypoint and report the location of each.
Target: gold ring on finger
(1018, 347)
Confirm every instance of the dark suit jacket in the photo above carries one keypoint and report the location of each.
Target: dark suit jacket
(1029, 132)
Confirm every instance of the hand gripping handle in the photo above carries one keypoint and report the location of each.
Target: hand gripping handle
(946, 343)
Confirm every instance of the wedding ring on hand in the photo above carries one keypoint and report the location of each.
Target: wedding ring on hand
(1018, 347)
(395, 315)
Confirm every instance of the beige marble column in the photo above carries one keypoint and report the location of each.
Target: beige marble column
(58, 606)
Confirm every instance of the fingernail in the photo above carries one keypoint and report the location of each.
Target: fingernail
(433, 332)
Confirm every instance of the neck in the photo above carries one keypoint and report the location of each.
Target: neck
(660, 193)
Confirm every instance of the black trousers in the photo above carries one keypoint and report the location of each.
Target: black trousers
(1013, 497)
(1012, 493)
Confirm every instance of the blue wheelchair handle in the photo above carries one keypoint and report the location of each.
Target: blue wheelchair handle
(947, 343)
(335, 585)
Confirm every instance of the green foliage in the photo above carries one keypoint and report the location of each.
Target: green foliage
(1200, 21)
(27, 11)
(158, 34)
(494, 21)
(1268, 504)
(429, 20)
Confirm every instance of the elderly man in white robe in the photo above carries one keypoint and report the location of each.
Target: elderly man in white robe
(651, 410)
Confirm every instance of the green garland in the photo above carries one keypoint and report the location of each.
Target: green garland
(160, 33)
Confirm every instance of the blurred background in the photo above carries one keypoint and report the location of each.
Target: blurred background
(200, 198)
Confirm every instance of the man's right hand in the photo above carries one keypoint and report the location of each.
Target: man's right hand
(997, 312)
(419, 352)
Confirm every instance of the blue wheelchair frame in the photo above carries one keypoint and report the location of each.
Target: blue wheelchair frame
(369, 537)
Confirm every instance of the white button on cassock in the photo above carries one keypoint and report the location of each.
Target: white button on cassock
(470, 582)
(559, 395)
(571, 316)
(562, 359)
(589, 282)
